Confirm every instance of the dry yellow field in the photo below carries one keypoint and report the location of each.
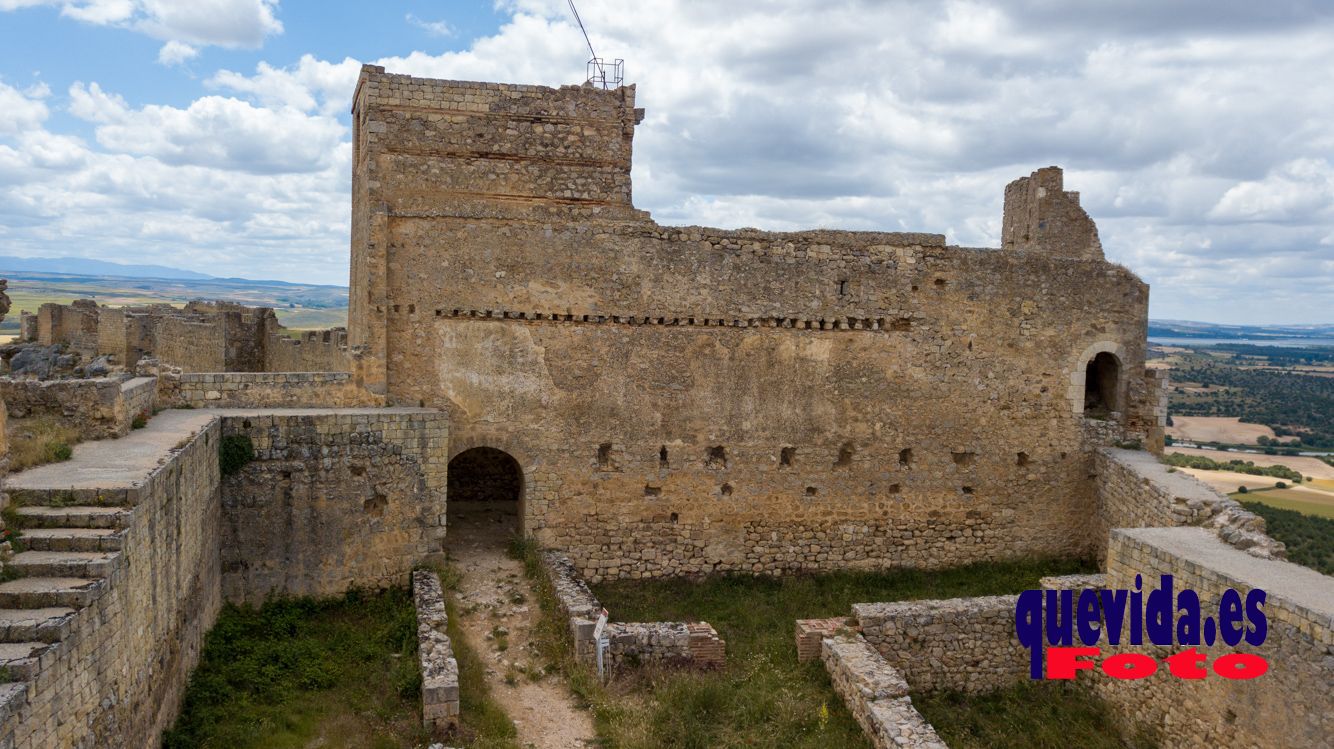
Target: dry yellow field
(1227, 429)
(1228, 481)
(1312, 467)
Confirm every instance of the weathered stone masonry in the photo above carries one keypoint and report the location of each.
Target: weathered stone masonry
(687, 400)
(123, 568)
(333, 499)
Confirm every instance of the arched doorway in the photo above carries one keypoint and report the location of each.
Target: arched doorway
(1102, 378)
(484, 492)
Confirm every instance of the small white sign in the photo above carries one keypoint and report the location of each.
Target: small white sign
(600, 626)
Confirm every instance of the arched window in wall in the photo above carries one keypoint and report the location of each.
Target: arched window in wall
(1102, 378)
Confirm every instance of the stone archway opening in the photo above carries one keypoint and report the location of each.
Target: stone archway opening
(484, 494)
(1102, 378)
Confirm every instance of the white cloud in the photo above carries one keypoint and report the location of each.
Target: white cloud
(224, 23)
(21, 111)
(213, 131)
(93, 104)
(434, 28)
(175, 53)
(1197, 132)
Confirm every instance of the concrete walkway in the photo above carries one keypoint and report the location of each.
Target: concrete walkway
(117, 463)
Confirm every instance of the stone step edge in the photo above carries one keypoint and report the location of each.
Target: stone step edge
(86, 497)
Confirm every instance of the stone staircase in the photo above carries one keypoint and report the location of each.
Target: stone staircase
(66, 558)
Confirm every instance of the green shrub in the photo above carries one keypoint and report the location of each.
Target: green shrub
(58, 452)
(139, 422)
(234, 451)
(1310, 539)
(1235, 465)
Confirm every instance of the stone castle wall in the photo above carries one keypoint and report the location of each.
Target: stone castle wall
(266, 390)
(75, 324)
(312, 351)
(332, 500)
(201, 337)
(959, 643)
(117, 677)
(822, 399)
(192, 346)
(1135, 490)
(102, 407)
(1287, 706)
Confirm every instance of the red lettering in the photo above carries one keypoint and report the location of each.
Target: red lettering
(1188, 664)
(1061, 663)
(1240, 666)
(1129, 666)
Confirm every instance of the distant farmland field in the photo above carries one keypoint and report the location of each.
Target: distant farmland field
(298, 306)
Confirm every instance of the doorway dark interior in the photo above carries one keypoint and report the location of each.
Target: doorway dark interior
(483, 494)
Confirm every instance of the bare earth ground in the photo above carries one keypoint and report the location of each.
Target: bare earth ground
(1227, 429)
(1305, 466)
(495, 597)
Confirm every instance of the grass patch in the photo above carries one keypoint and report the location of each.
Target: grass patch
(763, 697)
(1037, 714)
(338, 674)
(1310, 539)
(38, 440)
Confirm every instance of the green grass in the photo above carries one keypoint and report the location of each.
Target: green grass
(763, 697)
(1310, 539)
(1038, 714)
(295, 673)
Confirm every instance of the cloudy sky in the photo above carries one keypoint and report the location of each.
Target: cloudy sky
(213, 134)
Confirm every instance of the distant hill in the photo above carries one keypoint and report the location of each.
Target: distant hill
(80, 266)
(1191, 329)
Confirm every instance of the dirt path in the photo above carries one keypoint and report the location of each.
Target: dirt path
(498, 612)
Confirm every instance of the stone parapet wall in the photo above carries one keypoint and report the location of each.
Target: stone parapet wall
(267, 390)
(876, 694)
(116, 677)
(103, 407)
(1135, 490)
(959, 643)
(1290, 705)
(140, 395)
(440, 670)
(629, 643)
(190, 345)
(333, 499)
(310, 351)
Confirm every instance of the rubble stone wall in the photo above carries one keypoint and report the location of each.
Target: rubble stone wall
(629, 643)
(876, 695)
(269, 390)
(332, 500)
(1135, 490)
(311, 351)
(1289, 705)
(959, 643)
(686, 400)
(440, 670)
(102, 407)
(117, 677)
(192, 346)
